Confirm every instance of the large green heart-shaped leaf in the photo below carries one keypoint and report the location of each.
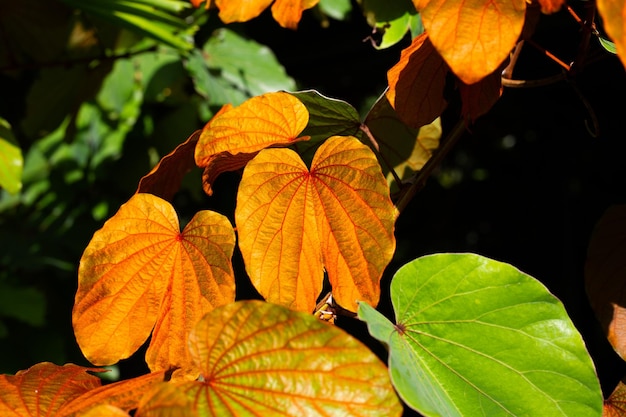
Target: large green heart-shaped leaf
(477, 337)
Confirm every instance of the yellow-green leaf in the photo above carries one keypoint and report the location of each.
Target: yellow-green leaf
(141, 272)
(240, 132)
(293, 223)
(265, 360)
(11, 160)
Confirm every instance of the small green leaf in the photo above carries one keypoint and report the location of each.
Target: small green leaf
(477, 337)
(337, 9)
(11, 160)
(393, 20)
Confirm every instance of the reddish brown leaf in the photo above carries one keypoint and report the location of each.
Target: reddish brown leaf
(416, 83)
(615, 405)
(605, 275)
(44, 388)
(165, 178)
(551, 6)
(479, 98)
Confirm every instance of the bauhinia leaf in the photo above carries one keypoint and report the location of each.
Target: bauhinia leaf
(165, 178)
(479, 98)
(262, 121)
(473, 37)
(293, 223)
(286, 12)
(476, 337)
(604, 275)
(43, 389)
(615, 405)
(265, 360)
(416, 83)
(141, 272)
(402, 148)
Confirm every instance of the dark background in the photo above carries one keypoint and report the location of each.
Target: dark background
(525, 184)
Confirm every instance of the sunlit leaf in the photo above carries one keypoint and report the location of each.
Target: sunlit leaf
(267, 120)
(604, 275)
(123, 395)
(612, 13)
(392, 20)
(263, 359)
(289, 12)
(11, 160)
(473, 37)
(240, 10)
(293, 223)
(165, 401)
(141, 272)
(416, 83)
(43, 389)
(165, 178)
(477, 337)
(105, 410)
(551, 6)
(615, 405)
(404, 148)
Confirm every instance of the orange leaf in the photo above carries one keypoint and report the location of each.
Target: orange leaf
(263, 121)
(473, 37)
(289, 12)
(615, 405)
(294, 223)
(416, 83)
(43, 389)
(612, 13)
(139, 271)
(164, 179)
(240, 10)
(551, 6)
(123, 395)
(105, 410)
(277, 362)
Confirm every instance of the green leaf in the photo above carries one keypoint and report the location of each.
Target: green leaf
(23, 303)
(11, 160)
(337, 9)
(248, 66)
(477, 337)
(392, 19)
(327, 117)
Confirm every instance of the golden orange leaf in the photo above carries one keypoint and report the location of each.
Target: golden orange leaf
(289, 12)
(123, 395)
(140, 272)
(293, 223)
(165, 178)
(240, 10)
(473, 37)
(43, 389)
(416, 83)
(265, 360)
(240, 132)
(612, 13)
(105, 410)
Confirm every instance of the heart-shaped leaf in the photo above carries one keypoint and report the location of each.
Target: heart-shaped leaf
(477, 337)
(259, 358)
(473, 37)
(141, 272)
(260, 122)
(293, 223)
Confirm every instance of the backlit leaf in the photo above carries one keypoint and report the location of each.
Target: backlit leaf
(11, 160)
(477, 337)
(405, 148)
(612, 13)
(288, 12)
(605, 277)
(262, 359)
(165, 178)
(141, 272)
(416, 83)
(122, 395)
(43, 389)
(473, 37)
(262, 121)
(293, 223)
(615, 405)
(479, 98)
(392, 20)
